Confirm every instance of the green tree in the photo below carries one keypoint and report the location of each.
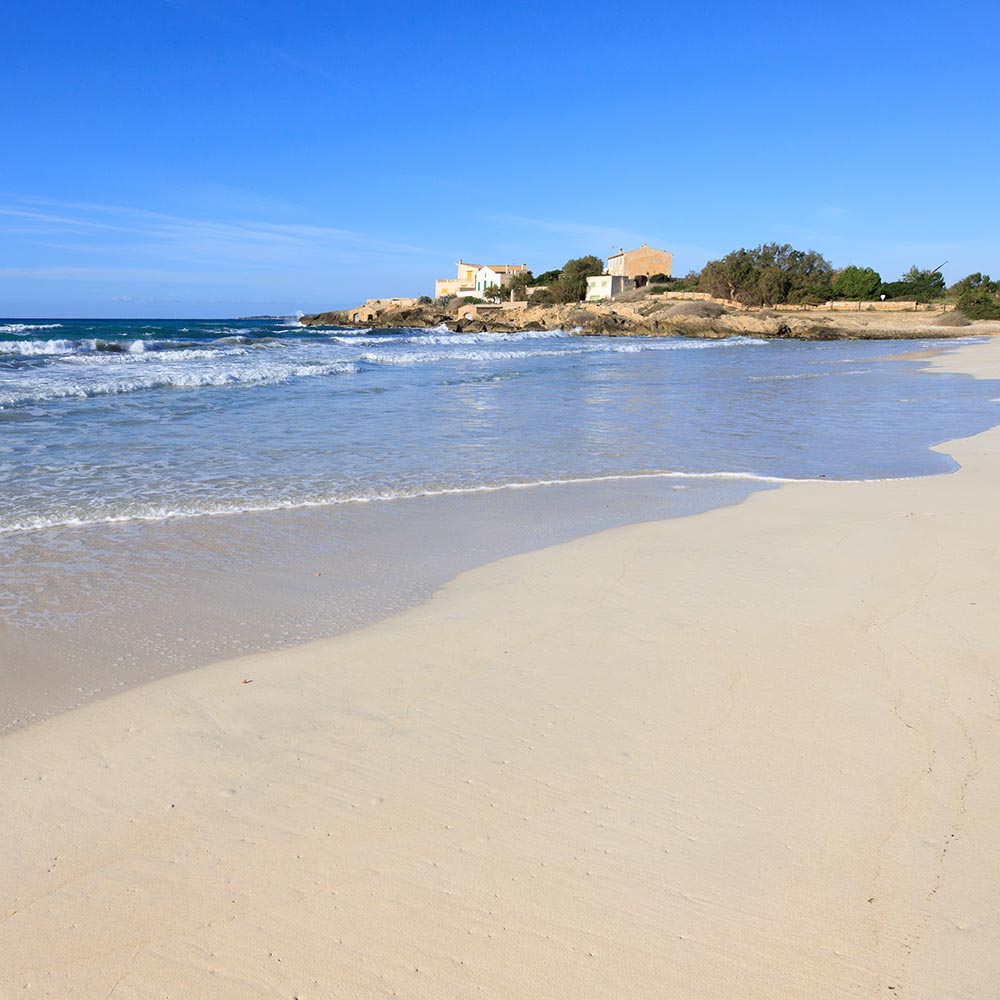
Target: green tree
(571, 285)
(546, 278)
(768, 274)
(977, 296)
(857, 283)
(922, 286)
(494, 293)
(518, 287)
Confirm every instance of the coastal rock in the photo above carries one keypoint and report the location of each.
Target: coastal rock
(650, 317)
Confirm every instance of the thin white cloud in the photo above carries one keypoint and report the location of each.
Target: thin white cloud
(110, 232)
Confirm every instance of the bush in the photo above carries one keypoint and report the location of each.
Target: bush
(954, 318)
(659, 279)
(443, 301)
(658, 289)
(976, 296)
(425, 300)
(470, 300)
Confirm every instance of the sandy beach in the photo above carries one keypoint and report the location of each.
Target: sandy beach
(750, 753)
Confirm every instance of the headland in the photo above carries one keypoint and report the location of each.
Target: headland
(677, 315)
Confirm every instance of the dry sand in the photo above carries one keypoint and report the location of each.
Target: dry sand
(754, 753)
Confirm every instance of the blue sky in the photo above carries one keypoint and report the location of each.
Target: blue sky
(214, 158)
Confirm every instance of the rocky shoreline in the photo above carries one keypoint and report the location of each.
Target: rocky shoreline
(653, 318)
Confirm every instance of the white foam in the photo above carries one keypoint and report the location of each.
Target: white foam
(32, 348)
(122, 381)
(23, 329)
(573, 346)
(798, 375)
(154, 513)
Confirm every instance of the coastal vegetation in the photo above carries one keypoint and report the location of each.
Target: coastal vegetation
(977, 296)
(775, 274)
(570, 283)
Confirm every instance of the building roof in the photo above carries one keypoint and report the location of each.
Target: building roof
(645, 246)
(506, 268)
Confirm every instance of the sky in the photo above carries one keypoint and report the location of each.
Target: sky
(209, 158)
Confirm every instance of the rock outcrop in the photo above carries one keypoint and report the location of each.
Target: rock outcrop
(654, 318)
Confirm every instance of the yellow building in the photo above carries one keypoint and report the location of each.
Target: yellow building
(644, 262)
(463, 284)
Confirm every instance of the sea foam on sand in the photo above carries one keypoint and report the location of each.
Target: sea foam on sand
(751, 753)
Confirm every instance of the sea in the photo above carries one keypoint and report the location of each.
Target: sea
(177, 491)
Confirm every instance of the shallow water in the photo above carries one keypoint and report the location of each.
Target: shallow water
(356, 471)
(101, 421)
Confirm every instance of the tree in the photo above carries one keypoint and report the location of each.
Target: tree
(768, 274)
(546, 278)
(976, 296)
(571, 285)
(857, 283)
(518, 286)
(922, 286)
(494, 293)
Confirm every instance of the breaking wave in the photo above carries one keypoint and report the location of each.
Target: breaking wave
(23, 329)
(259, 375)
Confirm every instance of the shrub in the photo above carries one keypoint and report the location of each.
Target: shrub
(976, 296)
(953, 318)
(470, 300)
(659, 279)
(425, 300)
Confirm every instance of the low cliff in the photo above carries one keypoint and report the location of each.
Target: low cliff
(655, 319)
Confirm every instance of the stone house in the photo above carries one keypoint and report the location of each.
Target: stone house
(641, 263)
(373, 308)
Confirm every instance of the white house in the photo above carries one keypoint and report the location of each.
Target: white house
(473, 279)
(607, 286)
(491, 275)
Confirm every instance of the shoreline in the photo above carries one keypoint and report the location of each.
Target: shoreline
(90, 610)
(193, 591)
(753, 750)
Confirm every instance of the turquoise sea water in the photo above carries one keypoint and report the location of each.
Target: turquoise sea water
(103, 421)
